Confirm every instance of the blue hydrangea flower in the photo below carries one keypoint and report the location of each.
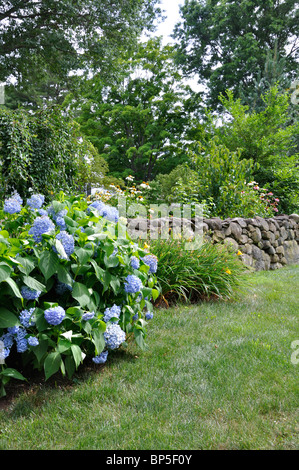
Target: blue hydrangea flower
(25, 318)
(152, 262)
(33, 341)
(98, 205)
(61, 288)
(36, 201)
(13, 205)
(108, 212)
(42, 212)
(112, 312)
(67, 242)
(114, 336)
(149, 315)
(7, 339)
(54, 315)
(21, 341)
(88, 316)
(135, 263)
(15, 195)
(101, 358)
(40, 226)
(133, 284)
(13, 330)
(111, 213)
(61, 223)
(30, 294)
(135, 317)
(54, 215)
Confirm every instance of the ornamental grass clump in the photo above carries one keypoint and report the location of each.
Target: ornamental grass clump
(72, 289)
(208, 272)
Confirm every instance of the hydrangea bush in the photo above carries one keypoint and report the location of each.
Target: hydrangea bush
(73, 284)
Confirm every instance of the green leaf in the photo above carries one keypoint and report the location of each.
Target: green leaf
(48, 263)
(14, 287)
(70, 366)
(7, 318)
(25, 265)
(106, 280)
(77, 354)
(52, 364)
(40, 350)
(146, 292)
(40, 321)
(155, 294)
(60, 250)
(63, 345)
(34, 284)
(111, 261)
(5, 271)
(83, 254)
(115, 284)
(98, 271)
(70, 222)
(4, 233)
(13, 373)
(98, 341)
(139, 338)
(81, 294)
(64, 276)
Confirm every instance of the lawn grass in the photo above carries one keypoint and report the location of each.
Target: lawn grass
(215, 375)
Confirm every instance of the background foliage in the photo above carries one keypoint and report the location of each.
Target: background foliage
(44, 152)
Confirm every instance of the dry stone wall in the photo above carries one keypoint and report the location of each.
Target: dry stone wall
(265, 244)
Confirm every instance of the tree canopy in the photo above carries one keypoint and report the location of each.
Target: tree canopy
(140, 123)
(42, 41)
(227, 42)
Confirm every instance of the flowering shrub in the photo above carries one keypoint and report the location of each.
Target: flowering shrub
(254, 200)
(134, 193)
(73, 284)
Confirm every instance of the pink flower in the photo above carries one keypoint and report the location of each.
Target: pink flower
(276, 199)
(270, 194)
(275, 209)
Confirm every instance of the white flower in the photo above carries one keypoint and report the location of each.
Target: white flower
(123, 220)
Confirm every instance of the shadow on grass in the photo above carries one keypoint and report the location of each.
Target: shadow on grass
(33, 392)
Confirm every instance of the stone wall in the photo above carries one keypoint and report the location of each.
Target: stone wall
(264, 243)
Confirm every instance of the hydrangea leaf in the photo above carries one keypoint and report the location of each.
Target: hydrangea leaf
(7, 318)
(48, 264)
(5, 271)
(34, 283)
(52, 364)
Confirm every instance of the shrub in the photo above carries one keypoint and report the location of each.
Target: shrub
(210, 271)
(44, 151)
(69, 289)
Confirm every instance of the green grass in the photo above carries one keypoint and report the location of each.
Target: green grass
(215, 376)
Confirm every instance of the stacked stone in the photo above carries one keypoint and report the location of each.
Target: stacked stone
(264, 243)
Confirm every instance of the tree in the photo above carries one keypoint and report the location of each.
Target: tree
(44, 152)
(140, 124)
(266, 137)
(262, 136)
(51, 38)
(227, 42)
